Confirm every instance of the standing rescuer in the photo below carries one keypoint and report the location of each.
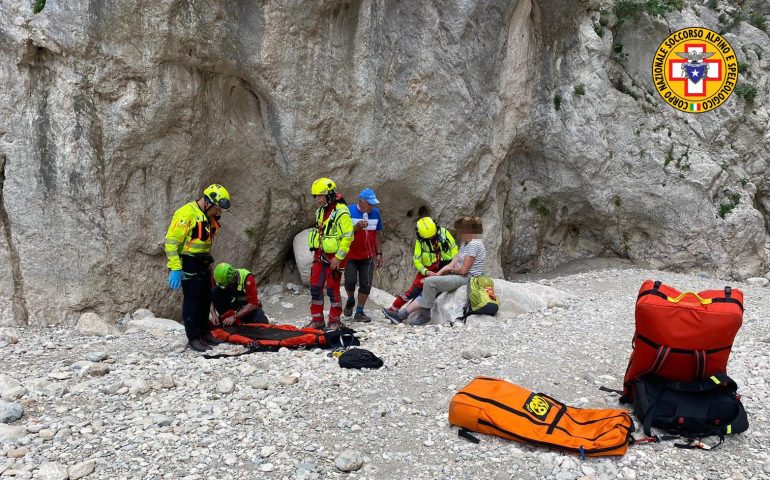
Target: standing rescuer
(188, 249)
(330, 241)
(434, 248)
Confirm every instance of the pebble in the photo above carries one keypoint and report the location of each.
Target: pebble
(349, 461)
(167, 381)
(18, 452)
(99, 370)
(266, 467)
(139, 387)
(52, 471)
(288, 380)
(96, 357)
(259, 383)
(226, 385)
(82, 469)
(60, 375)
(9, 433)
(758, 281)
(10, 411)
(10, 388)
(267, 451)
(46, 434)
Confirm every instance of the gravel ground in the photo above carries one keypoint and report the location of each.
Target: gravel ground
(139, 405)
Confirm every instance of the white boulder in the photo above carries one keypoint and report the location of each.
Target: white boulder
(303, 257)
(515, 299)
(92, 324)
(150, 324)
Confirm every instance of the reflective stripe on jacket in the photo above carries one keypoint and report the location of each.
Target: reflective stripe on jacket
(425, 250)
(191, 232)
(333, 235)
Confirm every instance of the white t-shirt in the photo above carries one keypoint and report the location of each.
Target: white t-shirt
(474, 248)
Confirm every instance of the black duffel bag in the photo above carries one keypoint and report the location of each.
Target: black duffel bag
(693, 410)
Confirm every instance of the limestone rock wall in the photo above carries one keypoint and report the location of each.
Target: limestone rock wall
(113, 114)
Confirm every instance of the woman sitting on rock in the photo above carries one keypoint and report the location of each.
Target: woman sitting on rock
(468, 262)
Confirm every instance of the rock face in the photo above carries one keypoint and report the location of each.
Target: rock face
(129, 110)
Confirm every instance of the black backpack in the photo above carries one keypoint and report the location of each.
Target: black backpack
(360, 358)
(342, 337)
(693, 410)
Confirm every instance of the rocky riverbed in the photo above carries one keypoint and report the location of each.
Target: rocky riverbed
(134, 403)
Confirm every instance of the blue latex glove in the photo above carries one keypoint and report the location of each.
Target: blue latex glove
(175, 279)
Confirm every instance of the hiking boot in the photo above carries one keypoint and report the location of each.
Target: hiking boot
(211, 339)
(392, 315)
(333, 326)
(422, 319)
(362, 317)
(348, 310)
(199, 345)
(317, 325)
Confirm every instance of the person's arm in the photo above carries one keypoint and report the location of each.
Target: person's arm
(448, 268)
(467, 264)
(378, 248)
(346, 230)
(417, 258)
(180, 225)
(250, 287)
(213, 315)
(453, 248)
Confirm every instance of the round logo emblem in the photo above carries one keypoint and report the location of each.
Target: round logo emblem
(695, 70)
(538, 406)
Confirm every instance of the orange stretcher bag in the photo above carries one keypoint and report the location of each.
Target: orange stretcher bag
(682, 337)
(496, 407)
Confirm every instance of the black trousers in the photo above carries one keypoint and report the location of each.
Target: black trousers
(225, 300)
(196, 288)
(361, 271)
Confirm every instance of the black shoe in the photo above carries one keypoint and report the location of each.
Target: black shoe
(211, 339)
(199, 345)
(348, 310)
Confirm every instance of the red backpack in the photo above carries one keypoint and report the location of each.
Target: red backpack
(682, 337)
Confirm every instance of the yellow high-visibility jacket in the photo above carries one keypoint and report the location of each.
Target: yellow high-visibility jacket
(425, 253)
(333, 235)
(191, 233)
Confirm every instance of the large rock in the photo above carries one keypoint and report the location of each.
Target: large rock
(92, 324)
(515, 299)
(303, 257)
(149, 324)
(381, 297)
(443, 108)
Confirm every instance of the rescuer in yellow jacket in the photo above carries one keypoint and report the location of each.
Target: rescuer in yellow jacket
(188, 249)
(330, 241)
(434, 248)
